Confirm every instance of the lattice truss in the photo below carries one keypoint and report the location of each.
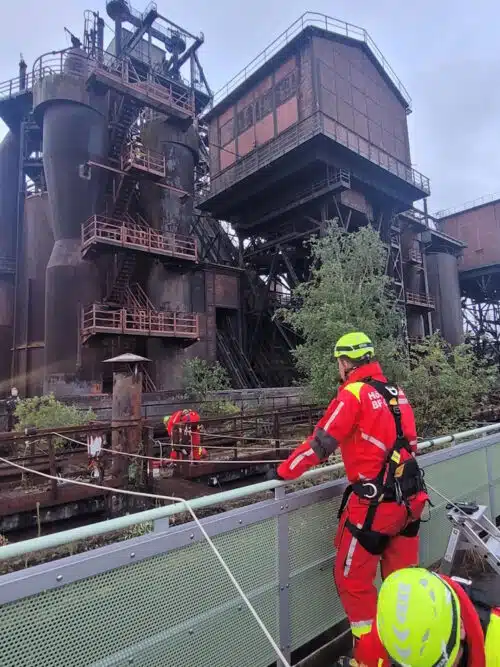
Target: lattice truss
(482, 327)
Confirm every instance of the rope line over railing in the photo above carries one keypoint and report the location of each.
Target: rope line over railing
(187, 506)
(84, 532)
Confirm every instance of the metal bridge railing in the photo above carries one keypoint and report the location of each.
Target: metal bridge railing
(319, 21)
(420, 299)
(168, 94)
(164, 599)
(136, 156)
(17, 85)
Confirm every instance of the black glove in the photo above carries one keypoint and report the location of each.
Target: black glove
(272, 475)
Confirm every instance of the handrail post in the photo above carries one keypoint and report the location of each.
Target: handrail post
(283, 573)
(52, 468)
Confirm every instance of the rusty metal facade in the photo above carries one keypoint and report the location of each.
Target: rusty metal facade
(119, 200)
(317, 130)
(476, 225)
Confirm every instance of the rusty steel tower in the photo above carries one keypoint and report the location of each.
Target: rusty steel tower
(139, 213)
(314, 128)
(97, 184)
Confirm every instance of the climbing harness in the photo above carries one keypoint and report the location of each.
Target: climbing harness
(399, 479)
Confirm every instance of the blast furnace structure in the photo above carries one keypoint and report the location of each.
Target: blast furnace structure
(97, 177)
(139, 215)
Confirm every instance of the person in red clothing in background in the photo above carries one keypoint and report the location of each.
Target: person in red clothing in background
(183, 429)
(373, 424)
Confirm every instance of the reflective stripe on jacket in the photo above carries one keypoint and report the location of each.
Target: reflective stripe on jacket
(359, 421)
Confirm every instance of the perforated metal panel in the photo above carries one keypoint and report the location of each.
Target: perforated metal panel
(314, 603)
(461, 478)
(178, 609)
(173, 610)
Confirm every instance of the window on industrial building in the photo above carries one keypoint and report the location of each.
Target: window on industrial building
(244, 119)
(264, 105)
(286, 88)
(227, 132)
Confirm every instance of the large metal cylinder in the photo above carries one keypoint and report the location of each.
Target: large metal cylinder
(9, 187)
(170, 289)
(74, 133)
(168, 211)
(442, 274)
(30, 311)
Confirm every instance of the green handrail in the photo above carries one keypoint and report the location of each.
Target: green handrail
(83, 532)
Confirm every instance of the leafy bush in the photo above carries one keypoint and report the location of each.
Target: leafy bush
(348, 291)
(445, 386)
(43, 412)
(201, 378)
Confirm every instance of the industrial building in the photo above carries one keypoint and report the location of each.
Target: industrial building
(139, 213)
(477, 225)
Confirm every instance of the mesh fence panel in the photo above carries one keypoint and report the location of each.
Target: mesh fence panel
(179, 609)
(461, 478)
(173, 610)
(314, 603)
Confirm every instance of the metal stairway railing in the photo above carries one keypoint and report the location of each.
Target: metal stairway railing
(121, 282)
(136, 297)
(235, 361)
(148, 386)
(215, 243)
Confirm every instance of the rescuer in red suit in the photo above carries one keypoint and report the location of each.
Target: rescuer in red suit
(185, 437)
(374, 426)
(426, 619)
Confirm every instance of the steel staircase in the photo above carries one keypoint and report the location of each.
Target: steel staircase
(126, 113)
(148, 386)
(215, 244)
(123, 195)
(118, 292)
(234, 359)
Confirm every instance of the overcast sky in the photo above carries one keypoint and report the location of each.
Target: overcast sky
(446, 53)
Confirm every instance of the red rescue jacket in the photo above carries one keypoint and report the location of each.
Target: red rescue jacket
(359, 421)
(188, 417)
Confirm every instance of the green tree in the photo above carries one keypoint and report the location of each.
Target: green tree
(348, 290)
(446, 385)
(43, 412)
(200, 379)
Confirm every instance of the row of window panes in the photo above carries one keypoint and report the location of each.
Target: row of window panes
(280, 93)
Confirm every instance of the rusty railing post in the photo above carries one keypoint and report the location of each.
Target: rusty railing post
(52, 468)
(276, 432)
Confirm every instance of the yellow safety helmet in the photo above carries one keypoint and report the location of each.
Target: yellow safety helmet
(354, 345)
(418, 618)
(166, 418)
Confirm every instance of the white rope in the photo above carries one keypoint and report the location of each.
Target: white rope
(247, 449)
(198, 524)
(257, 448)
(166, 458)
(249, 437)
(170, 460)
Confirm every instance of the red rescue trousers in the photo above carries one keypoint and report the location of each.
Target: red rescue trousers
(355, 568)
